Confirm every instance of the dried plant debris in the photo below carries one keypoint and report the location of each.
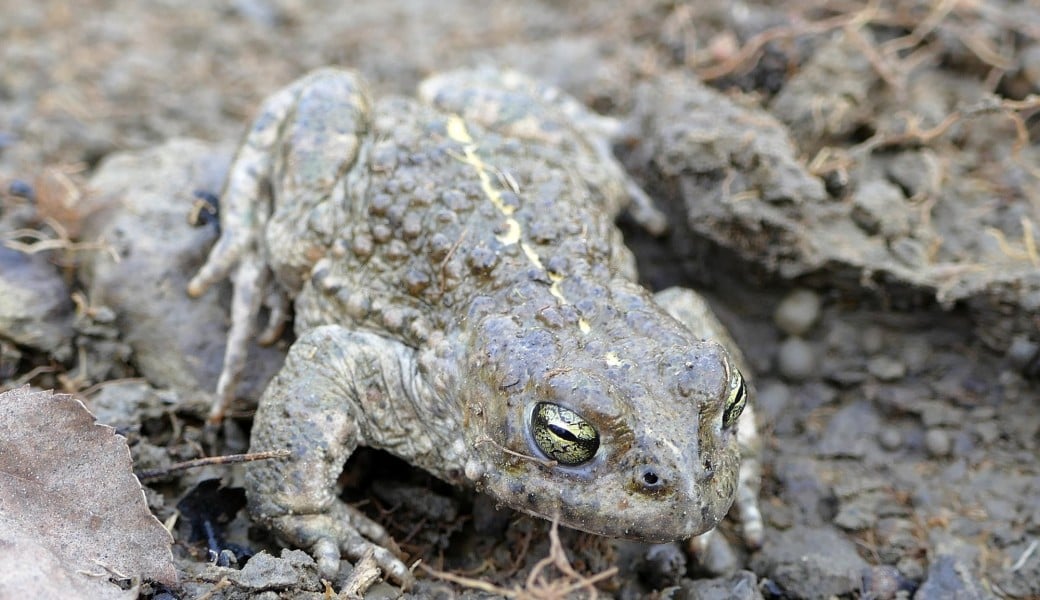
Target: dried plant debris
(551, 578)
(74, 519)
(870, 169)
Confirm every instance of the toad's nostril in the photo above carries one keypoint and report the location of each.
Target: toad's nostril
(650, 478)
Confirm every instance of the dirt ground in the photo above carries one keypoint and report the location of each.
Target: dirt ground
(855, 187)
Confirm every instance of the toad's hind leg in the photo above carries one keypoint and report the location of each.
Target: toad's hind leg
(524, 108)
(334, 383)
(303, 138)
(691, 309)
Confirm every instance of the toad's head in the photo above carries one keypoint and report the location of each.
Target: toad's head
(619, 421)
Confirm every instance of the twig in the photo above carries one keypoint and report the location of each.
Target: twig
(228, 459)
(536, 587)
(755, 44)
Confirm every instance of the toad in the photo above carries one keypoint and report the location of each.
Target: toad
(463, 300)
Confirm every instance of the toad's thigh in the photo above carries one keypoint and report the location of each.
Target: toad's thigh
(319, 147)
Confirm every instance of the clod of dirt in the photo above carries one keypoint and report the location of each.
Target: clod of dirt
(949, 578)
(935, 205)
(35, 310)
(294, 571)
(741, 585)
(177, 341)
(126, 404)
(838, 79)
(811, 563)
(70, 498)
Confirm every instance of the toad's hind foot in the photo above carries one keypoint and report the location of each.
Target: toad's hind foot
(273, 185)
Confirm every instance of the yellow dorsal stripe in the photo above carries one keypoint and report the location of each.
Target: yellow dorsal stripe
(457, 131)
(514, 232)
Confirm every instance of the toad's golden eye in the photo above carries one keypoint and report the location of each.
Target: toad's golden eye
(736, 399)
(562, 435)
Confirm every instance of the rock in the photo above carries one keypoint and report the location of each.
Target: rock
(890, 439)
(177, 341)
(35, 307)
(849, 432)
(796, 359)
(741, 585)
(915, 353)
(803, 490)
(808, 562)
(798, 312)
(886, 368)
(938, 442)
(949, 578)
(662, 565)
(883, 582)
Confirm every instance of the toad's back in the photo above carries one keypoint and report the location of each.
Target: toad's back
(438, 211)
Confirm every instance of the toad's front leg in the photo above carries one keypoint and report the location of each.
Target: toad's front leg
(337, 389)
(691, 310)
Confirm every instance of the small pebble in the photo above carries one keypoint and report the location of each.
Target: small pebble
(890, 439)
(1022, 352)
(883, 582)
(912, 568)
(987, 432)
(872, 340)
(663, 565)
(798, 312)
(886, 368)
(22, 189)
(796, 359)
(915, 353)
(938, 442)
(772, 400)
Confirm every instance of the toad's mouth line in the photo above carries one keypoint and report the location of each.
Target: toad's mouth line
(634, 532)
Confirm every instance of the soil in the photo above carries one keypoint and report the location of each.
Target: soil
(854, 187)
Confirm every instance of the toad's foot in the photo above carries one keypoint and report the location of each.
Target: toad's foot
(343, 532)
(333, 391)
(245, 209)
(691, 310)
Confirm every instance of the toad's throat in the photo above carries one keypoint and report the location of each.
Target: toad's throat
(514, 232)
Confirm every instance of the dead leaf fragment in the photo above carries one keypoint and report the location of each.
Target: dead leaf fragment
(69, 500)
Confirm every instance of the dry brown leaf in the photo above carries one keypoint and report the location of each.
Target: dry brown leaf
(70, 506)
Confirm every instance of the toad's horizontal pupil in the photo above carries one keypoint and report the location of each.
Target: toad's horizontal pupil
(562, 432)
